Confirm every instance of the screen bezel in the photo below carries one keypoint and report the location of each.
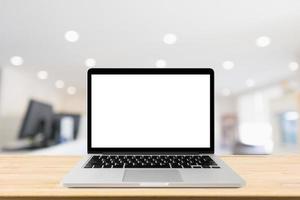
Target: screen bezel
(146, 71)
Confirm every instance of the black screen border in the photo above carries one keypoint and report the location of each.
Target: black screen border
(145, 71)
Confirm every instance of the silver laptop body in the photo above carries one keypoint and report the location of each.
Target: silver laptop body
(151, 128)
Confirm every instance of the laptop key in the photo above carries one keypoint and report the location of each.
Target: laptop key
(97, 166)
(197, 166)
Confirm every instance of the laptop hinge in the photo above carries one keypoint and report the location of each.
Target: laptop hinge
(151, 153)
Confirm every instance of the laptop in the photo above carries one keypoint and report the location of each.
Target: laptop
(151, 127)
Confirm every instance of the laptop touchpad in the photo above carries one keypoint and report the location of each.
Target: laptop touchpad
(152, 175)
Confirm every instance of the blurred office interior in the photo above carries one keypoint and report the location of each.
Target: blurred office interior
(46, 47)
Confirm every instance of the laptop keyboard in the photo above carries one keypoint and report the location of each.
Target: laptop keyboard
(151, 161)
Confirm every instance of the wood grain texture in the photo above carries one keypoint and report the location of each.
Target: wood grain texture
(38, 177)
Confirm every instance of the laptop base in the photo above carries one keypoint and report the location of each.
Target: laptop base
(149, 177)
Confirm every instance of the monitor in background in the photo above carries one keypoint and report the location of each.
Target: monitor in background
(37, 123)
(65, 127)
(36, 128)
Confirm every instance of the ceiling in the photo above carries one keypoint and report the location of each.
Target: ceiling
(129, 33)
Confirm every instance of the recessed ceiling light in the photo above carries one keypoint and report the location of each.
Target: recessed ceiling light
(228, 65)
(90, 62)
(263, 41)
(59, 84)
(16, 60)
(42, 75)
(161, 63)
(294, 66)
(226, 92)
(71, 90)
(72, 36)
(170, 38)
(250, 82)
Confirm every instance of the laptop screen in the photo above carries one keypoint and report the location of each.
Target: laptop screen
(150, 111)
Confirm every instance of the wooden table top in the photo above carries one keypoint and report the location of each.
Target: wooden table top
(35, 177)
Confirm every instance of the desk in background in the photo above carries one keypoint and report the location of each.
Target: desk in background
(38, 177)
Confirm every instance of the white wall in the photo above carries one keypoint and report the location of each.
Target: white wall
(255, 117)
(0, 87)
(223, 106)
(75, 104)
(18, 86)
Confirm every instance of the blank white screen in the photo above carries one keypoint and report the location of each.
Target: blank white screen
(150, 111)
